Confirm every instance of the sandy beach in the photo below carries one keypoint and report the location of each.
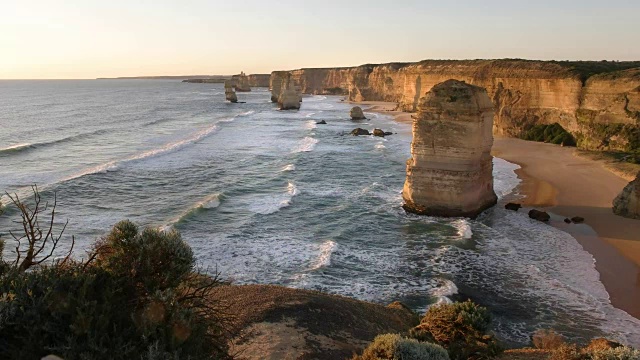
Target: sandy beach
(556, 180)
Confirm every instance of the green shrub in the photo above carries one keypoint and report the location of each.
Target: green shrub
(395, 347)
(153, 259)
(547, 339)
(553, 133)
(137, 298)
(461, 328)
(619, 353)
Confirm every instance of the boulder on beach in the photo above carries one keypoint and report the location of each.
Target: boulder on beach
(378, 132)
(513, 206)
(627, 203)
(539, 215)
(450, 172)
(356, 113)
(360, 131)
(577, 219)
(567, 220)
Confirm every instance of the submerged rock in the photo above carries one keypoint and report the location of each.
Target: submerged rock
(378, 132)
(356, 113)
(322, 122)
(513, 206)
(387, 133)
(360, 131)
(450, 169)
(539, 215)
(627, 204)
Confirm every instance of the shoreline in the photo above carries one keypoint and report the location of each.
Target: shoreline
(558, 181)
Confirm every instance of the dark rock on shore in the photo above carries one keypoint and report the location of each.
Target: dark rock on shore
(567, 220)
(513, 206)
(539, 215)
(577, 219)
(360, 131)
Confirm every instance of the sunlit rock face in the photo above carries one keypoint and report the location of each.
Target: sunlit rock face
(278, 82)
(229, 92)
(289, 98)
(241, 82)
(627, 204)
(450, 169)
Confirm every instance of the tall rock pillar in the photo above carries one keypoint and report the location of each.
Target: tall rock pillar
(450, 172)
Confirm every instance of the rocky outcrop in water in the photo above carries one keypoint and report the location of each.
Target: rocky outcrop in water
(241, 82)
(450, 169)
(539, 215)
(601, 111)
(356, 113)
(627, 204)
(289, 99)
(229, 92)
(360, 132)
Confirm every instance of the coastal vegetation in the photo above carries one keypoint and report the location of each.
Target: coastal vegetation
(549, 133)
(139, 295)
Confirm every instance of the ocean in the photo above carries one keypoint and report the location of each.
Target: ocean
(269, 197)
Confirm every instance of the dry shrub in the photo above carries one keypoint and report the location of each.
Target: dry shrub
(547, 339)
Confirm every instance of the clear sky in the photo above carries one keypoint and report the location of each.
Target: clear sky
(108, 38)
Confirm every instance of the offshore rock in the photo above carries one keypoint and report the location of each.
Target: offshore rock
(277, 83)
(627, 204)
(378, 132)
(229, 92)
(241, 82)
(289, 99)
(356, 113)
(450, 171)
(513, 206)
(359, 132)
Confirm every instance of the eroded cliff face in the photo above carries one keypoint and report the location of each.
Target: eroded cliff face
(259, 80)
(450, 169)
(524, 93)
(241, 82)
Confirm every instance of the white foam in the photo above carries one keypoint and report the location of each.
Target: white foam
(310, 115)
(380, 146)
(209, 202)
(113, 165)
(505, 179)
(311, 124)
(16, 147)
(305, 145)
(533, 263)
(324, 258)
(272, 203)
(464, 228)
(290, 167)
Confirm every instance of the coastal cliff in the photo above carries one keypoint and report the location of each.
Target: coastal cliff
(597, 102)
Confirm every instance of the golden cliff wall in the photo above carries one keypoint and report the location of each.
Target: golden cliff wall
(524, 93)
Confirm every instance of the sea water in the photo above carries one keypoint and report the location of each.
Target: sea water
(270, 197)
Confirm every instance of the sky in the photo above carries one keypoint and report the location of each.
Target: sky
(74, 39)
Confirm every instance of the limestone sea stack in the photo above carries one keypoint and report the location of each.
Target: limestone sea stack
(450, 169)
(277, 83)
(356, 113)
(289, 99)
(229, 92)
(241, 82)
(627, 204)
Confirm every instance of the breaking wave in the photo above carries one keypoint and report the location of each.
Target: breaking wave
(305, 145)
(273, 203)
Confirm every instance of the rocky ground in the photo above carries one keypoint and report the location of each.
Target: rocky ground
(274, 322)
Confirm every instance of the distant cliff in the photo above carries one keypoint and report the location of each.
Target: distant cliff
(597, 102)
(255, 80)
